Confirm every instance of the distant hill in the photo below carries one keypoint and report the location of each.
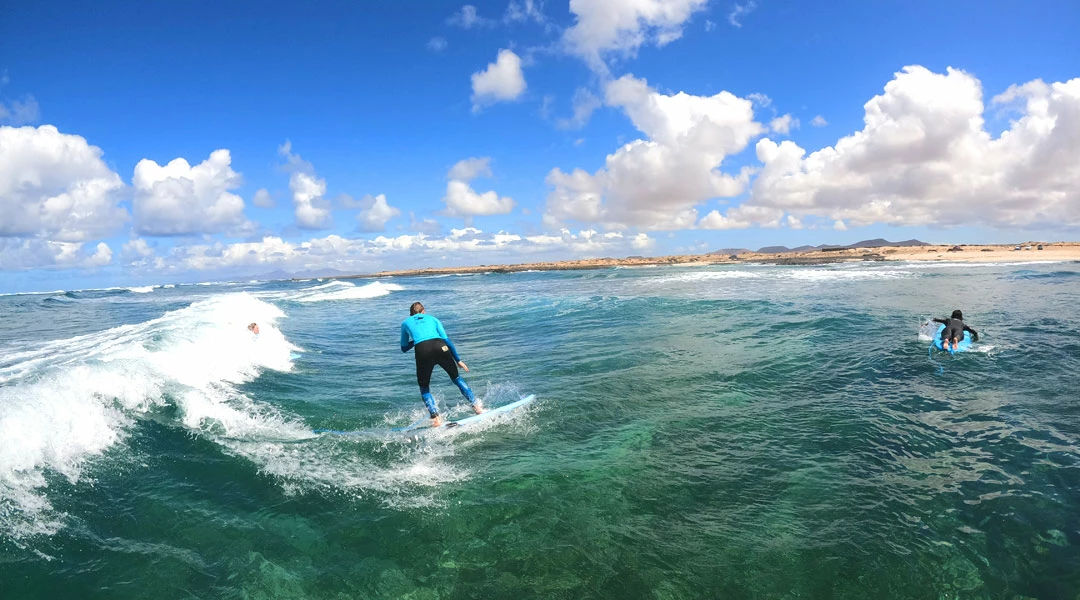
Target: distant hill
(876, 243)
(730, 251)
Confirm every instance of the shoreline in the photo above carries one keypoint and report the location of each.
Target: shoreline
(972, 253)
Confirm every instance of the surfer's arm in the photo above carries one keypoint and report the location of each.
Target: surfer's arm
(442, 333)
(942, 321)
(974, 334)
(406, 339)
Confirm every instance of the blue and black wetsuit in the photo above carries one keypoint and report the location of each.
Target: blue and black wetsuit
(426, 335)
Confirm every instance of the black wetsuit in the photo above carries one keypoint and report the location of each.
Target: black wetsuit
(954, 330)
(430, 353)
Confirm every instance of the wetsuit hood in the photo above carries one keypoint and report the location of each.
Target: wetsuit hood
(956, 314)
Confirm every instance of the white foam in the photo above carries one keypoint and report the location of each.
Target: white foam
(336, 291)
(67, 401)
(915, 264)
(804, 274)
(142, 290)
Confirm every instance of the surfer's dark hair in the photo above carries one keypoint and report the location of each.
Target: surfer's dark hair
(956, 314)
(416, 308)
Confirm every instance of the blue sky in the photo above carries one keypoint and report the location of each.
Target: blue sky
(366, 136)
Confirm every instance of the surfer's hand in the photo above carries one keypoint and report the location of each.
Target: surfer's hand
(464, 366)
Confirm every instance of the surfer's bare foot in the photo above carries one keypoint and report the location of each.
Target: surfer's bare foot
(436, 421)
(477, 408)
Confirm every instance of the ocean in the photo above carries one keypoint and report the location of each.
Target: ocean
(700, 432)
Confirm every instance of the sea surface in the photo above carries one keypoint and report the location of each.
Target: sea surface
(700, 432)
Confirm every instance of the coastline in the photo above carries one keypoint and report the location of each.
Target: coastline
(972, 253)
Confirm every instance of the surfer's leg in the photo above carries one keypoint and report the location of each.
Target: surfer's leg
(468, 393)
(446, 361)
(424, 366)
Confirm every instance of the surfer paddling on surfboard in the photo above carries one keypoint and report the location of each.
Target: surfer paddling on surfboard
(953, 333)
(426, 335)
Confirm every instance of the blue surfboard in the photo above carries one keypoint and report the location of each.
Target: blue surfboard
(963, 346)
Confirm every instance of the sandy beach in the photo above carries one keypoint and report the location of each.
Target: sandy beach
(975, 253)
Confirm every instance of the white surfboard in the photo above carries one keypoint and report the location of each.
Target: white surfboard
(487, 414)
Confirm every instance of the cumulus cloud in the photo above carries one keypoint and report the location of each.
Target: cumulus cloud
(463, 201)
(402, 251)
(178, 199)
(55, 185)
(738, 11)
(24, 254)
(620, 27)
(311, 209)
(20, 112)
(501, 81)
(468, 17)
(375, 212)
(924, 157)
(656, 183)
(784, 124)
(585, 102)
(819, 121)
(263, 199)
(426, 226)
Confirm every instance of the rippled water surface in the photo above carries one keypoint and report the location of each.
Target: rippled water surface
(719, 432)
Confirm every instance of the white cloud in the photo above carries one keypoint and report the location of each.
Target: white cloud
(56, 186)
(620, 27)
(819, 121)
(642, 241)
(263, 199)
(463, 201)
(760, 99)
(20, 112)
(425, 226)
(715, 220)
(178, 199)
(501, 81)
(437, 44)
(470, 168)
(585, 102)
(839, 225)
(23, 254)
(739, 11)
(375, 212)
(525, 10)
(136, 249)
(399, 252)
(924, 157)
(656, 183)
(784, 124)
(468, 17)
(312, 211)
(709, 25)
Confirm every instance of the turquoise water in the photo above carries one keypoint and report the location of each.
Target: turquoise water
(714, 432)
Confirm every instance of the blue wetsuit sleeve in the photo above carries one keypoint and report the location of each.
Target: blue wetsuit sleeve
(442, 333)
(406, 339)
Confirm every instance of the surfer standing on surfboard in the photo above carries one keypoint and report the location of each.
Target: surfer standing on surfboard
(954, 330)
(432, 346)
